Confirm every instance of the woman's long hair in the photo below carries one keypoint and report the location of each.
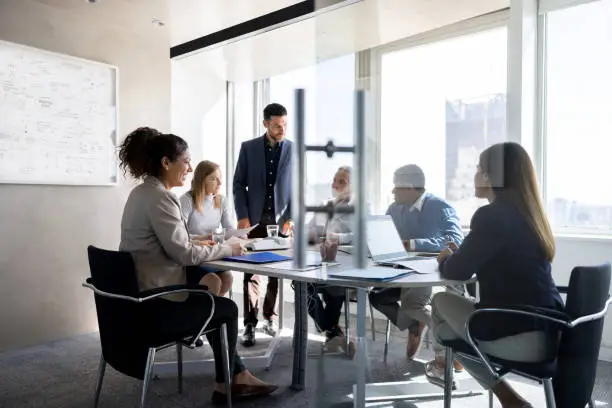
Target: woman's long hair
(513, 180)
(203, 169)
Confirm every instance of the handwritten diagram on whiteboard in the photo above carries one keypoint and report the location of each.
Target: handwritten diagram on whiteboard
(58, 118)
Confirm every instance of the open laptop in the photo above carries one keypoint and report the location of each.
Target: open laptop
(385, 244)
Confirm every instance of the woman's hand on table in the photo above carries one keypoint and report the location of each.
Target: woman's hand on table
(205, 237)
(237, 249)
(446, 252)
(204, 242)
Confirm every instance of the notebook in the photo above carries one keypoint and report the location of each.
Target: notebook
(370, 274)
(258, 258)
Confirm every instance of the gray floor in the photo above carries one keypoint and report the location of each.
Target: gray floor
(62, 374)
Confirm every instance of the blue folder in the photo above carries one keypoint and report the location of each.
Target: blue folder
(372, 275)
(258, 258)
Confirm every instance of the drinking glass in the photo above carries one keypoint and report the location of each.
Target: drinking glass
(329, 248)
(218, 236)
(272, 231)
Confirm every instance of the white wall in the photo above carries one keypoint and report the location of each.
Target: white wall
(573, 252)
(46, 229)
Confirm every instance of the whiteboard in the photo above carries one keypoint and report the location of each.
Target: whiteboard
(58, 118)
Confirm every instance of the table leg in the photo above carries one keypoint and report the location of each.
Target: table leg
(300, 338)
(281, 304)
(360, 392)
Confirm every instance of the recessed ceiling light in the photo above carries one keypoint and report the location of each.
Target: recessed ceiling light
(158, 22)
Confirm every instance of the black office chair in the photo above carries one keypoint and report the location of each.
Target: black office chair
(568, 376)
(129, 342)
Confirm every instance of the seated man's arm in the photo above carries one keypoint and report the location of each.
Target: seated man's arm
(449, 229)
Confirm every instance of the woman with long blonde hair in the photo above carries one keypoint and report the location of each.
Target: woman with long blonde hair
(204, 210)
(510, 248)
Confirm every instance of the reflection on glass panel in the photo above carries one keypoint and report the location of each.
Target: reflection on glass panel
(214, 147)
(329, 88)
(441, 105)
(579, 117)
(244, 101)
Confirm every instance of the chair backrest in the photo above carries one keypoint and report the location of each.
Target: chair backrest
(588, 291)
(113, 271)
(120, 322)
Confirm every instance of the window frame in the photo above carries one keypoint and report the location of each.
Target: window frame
(540, 137)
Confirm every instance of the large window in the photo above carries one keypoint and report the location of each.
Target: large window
(578, 117)
(442, 103)
(244, 114)
(329, 90)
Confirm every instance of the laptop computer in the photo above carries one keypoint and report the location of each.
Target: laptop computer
(385, 244)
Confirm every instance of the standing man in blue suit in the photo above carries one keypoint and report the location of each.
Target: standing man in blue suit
(262, 195)
(425, 223)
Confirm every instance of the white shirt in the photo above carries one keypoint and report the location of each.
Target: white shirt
(209, 218)
(418, 204)
(340, 224)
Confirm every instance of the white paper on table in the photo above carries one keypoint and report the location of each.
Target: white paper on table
(236, 240)
(239, 232)
(269, 244)
(422, 266)
(289, 266)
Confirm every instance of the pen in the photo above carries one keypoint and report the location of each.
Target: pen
(449, 241)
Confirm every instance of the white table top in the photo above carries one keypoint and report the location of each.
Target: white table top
(320, 275)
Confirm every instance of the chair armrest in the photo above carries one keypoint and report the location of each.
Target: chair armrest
(157, 292)
(167, 290)
(593, 316)
(553, 316)
(148, 294)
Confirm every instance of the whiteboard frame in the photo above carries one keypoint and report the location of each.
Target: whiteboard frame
(115, 70)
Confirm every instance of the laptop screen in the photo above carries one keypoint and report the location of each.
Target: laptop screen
(384, 241)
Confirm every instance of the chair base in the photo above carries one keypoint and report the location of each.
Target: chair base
(413, 390)
(149, 368)
(206, 365)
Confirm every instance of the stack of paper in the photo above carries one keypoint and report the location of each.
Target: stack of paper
(244, 232)
(269, 244)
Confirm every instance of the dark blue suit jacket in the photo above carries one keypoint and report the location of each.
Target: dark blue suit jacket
(249, 185)
(505, 254)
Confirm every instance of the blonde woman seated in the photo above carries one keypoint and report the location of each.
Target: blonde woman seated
(204, 210)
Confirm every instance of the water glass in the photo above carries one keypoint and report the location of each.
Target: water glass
(218, 236)
(329, 248)
(272, 231)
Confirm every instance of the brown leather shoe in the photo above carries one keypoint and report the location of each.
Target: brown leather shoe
(241, 392)
(457, 366)
(414, 340)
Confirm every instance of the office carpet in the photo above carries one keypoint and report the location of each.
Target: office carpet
(62, 374)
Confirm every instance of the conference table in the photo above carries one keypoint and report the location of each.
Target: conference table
(321, 275)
